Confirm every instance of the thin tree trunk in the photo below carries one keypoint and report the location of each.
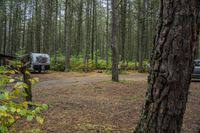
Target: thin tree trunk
(38, 25)
(79, 31)
(87, 44)
(107, 34)
(123, 27)
(56, 33)
(142, 38)
(5, 30)
(67, 65)
(24, 26)
(138, 30)
(93, 29)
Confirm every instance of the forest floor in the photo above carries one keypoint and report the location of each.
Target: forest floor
(91, 103)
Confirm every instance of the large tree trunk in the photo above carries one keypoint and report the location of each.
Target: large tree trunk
(171, 68)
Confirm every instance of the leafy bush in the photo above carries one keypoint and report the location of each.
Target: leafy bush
(13, 106)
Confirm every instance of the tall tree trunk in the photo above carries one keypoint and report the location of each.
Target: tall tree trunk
(107, 34)
(146, 50)
(87, 36)
(56, 33)
(142, 38)
(67, 45)
(96, 33)
(138, 30)
(24, 26)
(123, 27)
(5, 29)
(38, 25)
(171, 67)
(130, 44)
(93, 28)
(79, 31)
(60, 41)
(10, 27)
(115, 71)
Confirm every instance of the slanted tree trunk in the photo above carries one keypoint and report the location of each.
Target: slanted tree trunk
(171, 68)
(115, 71)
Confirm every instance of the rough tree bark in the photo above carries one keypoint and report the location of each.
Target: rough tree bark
(171, 67)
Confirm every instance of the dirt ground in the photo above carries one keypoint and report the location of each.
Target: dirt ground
(91, 103)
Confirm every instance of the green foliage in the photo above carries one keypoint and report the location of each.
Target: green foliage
(78, 65)
(20, 52)
(13, 106)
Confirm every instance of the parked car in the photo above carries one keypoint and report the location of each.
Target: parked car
(37, 61)
(196, 72)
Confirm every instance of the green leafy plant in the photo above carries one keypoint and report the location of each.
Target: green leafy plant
(13, 106)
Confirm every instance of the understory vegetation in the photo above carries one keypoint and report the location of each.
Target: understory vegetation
(101, 64)
(13, 106)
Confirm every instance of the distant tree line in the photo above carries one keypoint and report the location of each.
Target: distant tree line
(80, 28)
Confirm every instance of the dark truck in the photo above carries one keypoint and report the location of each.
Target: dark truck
(37, 61)
(196, 72)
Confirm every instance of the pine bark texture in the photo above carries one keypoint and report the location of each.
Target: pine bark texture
(171, 67)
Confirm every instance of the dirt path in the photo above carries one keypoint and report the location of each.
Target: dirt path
(91, 103)
(55, 79)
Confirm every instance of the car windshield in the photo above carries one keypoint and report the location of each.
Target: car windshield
(197, 63)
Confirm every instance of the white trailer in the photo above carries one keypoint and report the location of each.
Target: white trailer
(37, 61)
